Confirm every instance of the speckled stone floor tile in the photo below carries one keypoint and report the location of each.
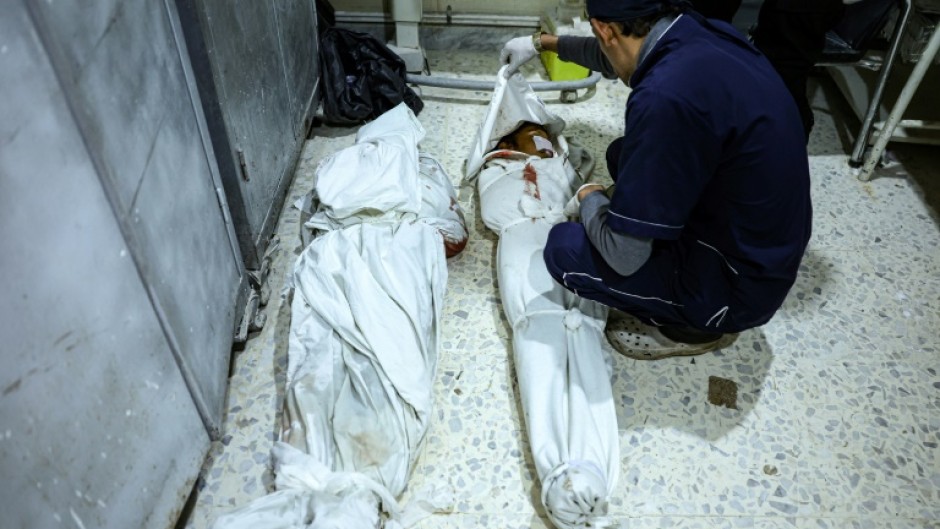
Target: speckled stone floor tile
(881, 214)
(475, 521)
(841, 523)
(836, 420)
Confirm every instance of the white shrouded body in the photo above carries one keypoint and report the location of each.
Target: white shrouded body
(561, 367)
(364, 336)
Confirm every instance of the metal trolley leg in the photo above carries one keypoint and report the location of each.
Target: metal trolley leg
(861, 141)
(920, 69)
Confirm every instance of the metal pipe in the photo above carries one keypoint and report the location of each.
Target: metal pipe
(861, 141)
(471, 84)
(528, 22)
(907, 93)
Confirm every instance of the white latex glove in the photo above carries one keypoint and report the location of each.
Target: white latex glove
(517, 52)
(573, 207)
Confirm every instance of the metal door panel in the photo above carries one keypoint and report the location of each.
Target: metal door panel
(177, 221)
(130, 98)
(116, 59)
(264, 64)
(250, 76)
(97, 426)
(299, 49)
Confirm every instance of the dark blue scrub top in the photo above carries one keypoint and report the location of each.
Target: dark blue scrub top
(714, 166)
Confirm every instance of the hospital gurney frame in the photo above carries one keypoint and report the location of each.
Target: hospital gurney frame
(897, 112)
(867, 100)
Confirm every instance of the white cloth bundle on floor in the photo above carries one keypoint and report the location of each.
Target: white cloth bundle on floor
(364, 337)
(376, 180)
(560, 364)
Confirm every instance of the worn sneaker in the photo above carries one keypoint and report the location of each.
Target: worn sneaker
(637, 340)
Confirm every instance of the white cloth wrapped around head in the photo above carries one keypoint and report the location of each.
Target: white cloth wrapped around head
(514, 185)
(384, 177)
(513, 104)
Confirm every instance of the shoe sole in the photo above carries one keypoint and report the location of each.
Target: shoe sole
(631, 327)
(698, 350)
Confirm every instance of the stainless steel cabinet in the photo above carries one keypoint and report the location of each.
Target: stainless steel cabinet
(122, 68)
(97, 426)
(257, 69)
(141, 167)
(120, 267)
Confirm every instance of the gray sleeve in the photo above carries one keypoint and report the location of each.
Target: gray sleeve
(586, 52)
(623, 252)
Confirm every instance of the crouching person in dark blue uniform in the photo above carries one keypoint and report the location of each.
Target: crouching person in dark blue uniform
(709, 216)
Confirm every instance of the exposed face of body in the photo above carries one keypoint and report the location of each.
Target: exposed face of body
(529, 138)
(621, 50)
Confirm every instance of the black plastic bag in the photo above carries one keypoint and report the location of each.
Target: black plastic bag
(362, 78)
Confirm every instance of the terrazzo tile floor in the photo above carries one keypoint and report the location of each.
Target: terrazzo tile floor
(837, 422)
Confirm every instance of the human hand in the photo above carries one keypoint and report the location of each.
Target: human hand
(572, 208)
(517, 52)
(587, 189)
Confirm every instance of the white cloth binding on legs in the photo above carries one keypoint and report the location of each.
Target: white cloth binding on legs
(557, 335)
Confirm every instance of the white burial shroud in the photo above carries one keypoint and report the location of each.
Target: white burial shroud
(364, 336)
(564, 378)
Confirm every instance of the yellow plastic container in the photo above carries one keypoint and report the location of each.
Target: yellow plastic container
(559, 70)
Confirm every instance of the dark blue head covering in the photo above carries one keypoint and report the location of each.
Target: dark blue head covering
(619, 10)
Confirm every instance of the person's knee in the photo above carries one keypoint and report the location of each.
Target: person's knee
(563, 248)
